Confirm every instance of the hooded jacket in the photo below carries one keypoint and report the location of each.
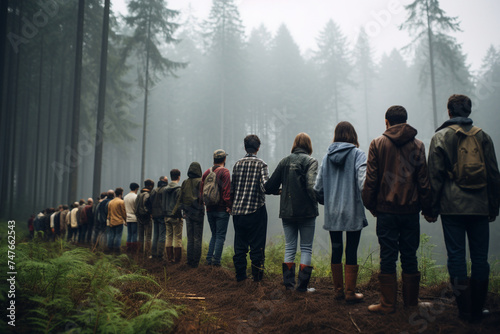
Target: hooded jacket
(396, 175)
(338, 186)
(447, 197)
(170, 197)
(297, 173)
(188, 200)
(143, 200)
(156, 199)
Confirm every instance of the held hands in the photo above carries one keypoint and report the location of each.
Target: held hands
(430, 219)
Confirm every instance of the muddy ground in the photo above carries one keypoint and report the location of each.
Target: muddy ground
(227, 306)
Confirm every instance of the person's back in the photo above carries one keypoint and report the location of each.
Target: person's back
(466, 202)
(156, 198)
(129, 202)
(249, 177)
(116, 212)
(395, 190)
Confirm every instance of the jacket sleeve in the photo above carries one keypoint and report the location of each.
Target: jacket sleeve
(361, 169)
(272, 186)
(178, 202)
(437, 173)
(318, 186)
(226, 188)
(372, 182)
(423, 184)
(493, 176)
(311, 174)
(123, 212)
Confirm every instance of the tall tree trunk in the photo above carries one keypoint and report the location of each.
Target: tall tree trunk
(431, 63)
(99, 134)
(49, 199)
(4, 5)
(144, 126)
(59, 147)
(75, 126)
(38, 128)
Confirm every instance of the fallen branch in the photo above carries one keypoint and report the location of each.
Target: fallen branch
(335, 329)
(352, 320)
(191, 298)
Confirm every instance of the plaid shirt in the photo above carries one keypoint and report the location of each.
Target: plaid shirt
(247, 186)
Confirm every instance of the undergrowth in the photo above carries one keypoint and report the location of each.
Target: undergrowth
(65, 289)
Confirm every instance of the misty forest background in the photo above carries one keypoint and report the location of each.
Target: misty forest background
(175, 87)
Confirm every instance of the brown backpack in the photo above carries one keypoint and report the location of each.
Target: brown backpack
(469, 171)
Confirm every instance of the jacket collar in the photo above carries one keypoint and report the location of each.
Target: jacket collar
(455, 120)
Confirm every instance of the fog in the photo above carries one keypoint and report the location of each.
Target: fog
(212, 78)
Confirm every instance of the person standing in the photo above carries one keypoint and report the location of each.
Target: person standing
(215, 191)
(131, 221)
(89, 213)
(250, 175)
(338, 187)
(191, 205)
(62, 221)
(73, 223)
(102, 220)
(82, 221)
(396, 189)
(159, 229)
(298, 208)
(143, 214)
(117, 216)
(173, 221)
(465, 185)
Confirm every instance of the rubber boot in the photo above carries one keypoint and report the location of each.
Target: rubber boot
(388, 294)
(351, 276)
(177, 254)
(257, 272)
(304, 278)
(338, 281)
(289, 275)
(170, 254)
(461, 290)
(411, 287)
(478, 293)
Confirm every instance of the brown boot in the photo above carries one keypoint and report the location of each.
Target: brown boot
(351, 276)
(388, 294)
(170, 254)
(411, 286)
(177, 254)
(338, 281)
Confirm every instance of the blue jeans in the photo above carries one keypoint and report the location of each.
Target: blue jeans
(115, 237)
(131, 231)
(398, 234)
(292, 228)
(477, 229)
(159, 233)
(218, 222)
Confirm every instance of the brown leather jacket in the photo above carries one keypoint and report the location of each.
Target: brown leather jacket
(396, 174)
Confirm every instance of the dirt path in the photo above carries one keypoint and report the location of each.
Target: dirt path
(248, 307)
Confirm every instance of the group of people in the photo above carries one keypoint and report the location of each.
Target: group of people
(459, 181)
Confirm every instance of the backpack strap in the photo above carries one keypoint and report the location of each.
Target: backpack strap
(472, 132)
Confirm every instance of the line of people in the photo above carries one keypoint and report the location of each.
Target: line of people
(460, 182)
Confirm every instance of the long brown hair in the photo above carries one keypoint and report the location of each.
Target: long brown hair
(303, 141)
(345, 132)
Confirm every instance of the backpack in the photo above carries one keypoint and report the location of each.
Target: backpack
(140, 204)
(211, 191)
(469, 172)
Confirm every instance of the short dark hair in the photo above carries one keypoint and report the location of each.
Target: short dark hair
(82, 201)
(396, 115)
(252, 143)
(219, 160)
(345, 133)
(459, 105)
(65, 207)
(134, 186)
(148, 183)
(303, 141)
(163, 178)
(103, 195)
(118, 191)
(175, 174)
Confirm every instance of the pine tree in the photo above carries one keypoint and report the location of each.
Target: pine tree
(335, 67)
(427, 22)
(152, 22)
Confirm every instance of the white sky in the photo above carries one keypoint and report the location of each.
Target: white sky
(306, 18)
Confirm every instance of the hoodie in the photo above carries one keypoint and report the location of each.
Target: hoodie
(188, 200)
(170, 197)
(338, 187)
(156, 199)
(396, 173)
